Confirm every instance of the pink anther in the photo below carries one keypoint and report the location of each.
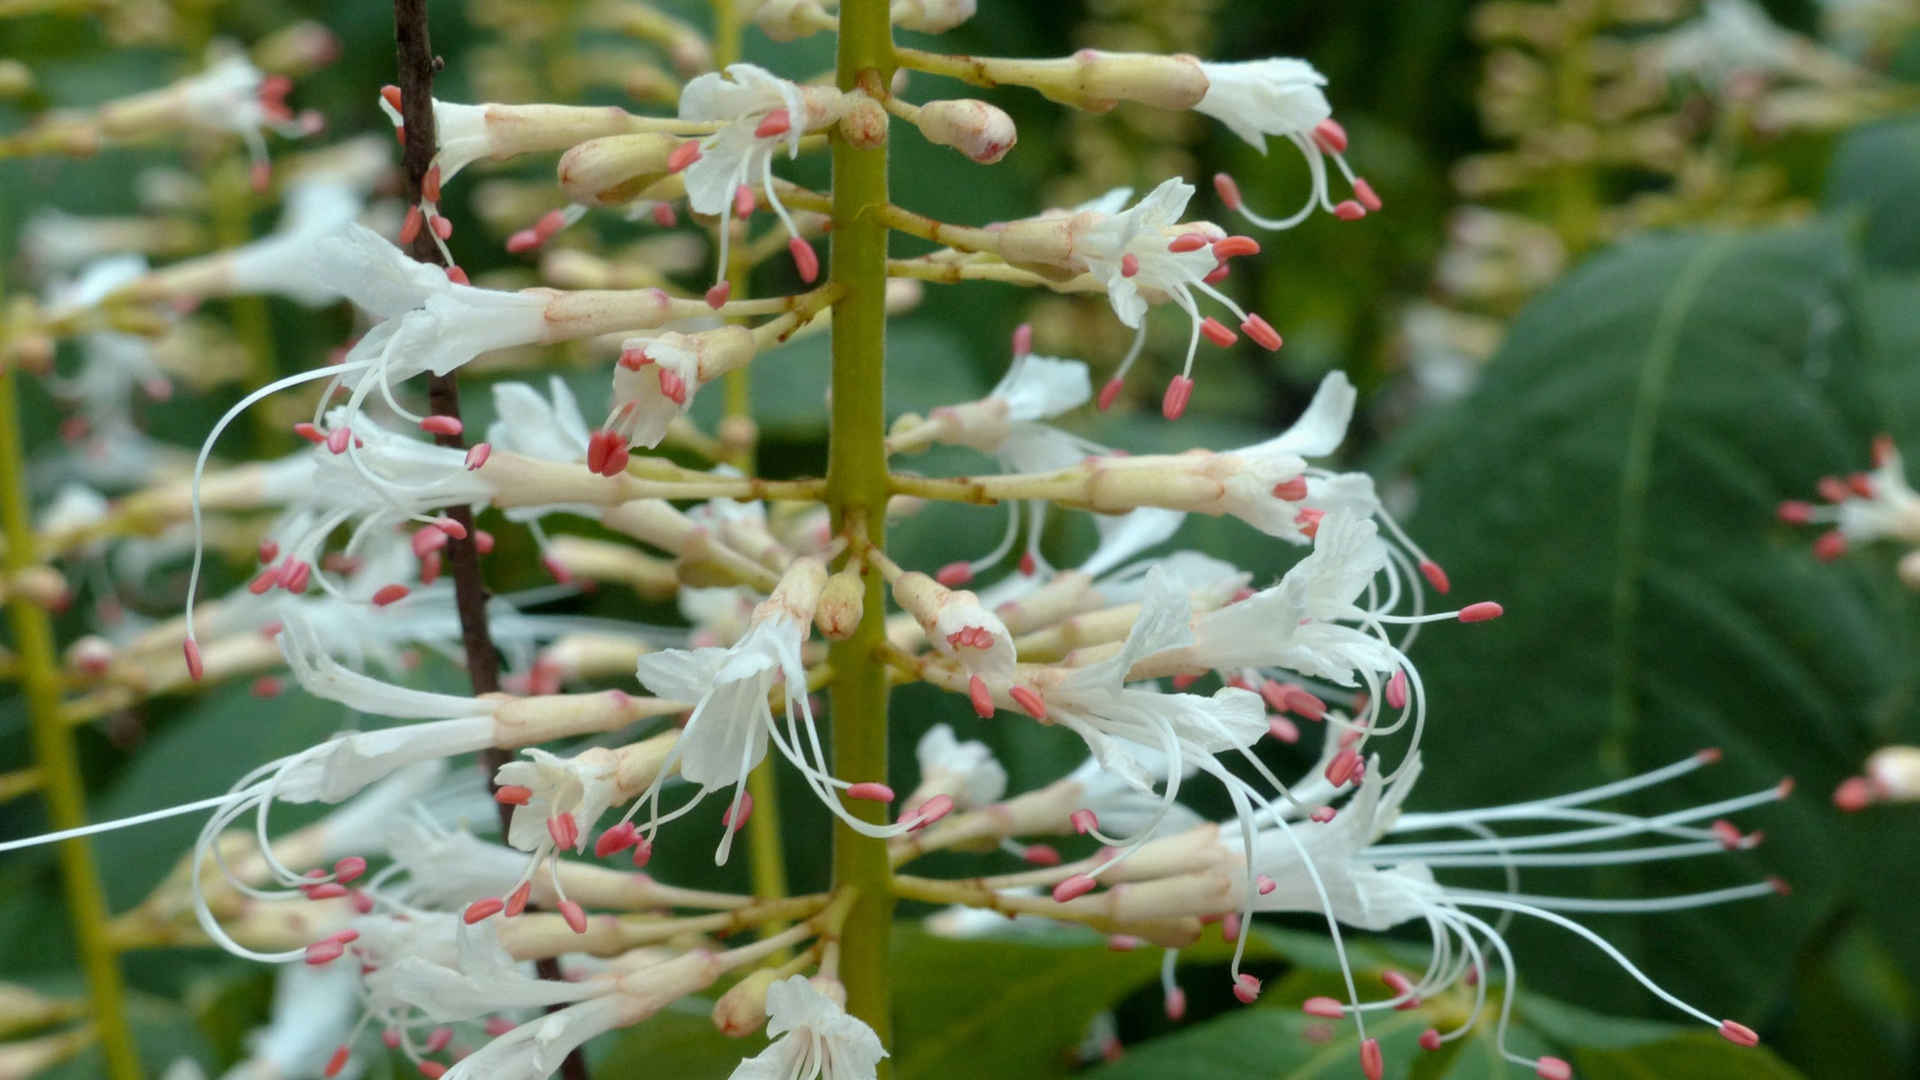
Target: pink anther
(575, 916)
(1029, 701)
(1397, 689)
(1329, 136)
(1430, 1040)
(1306, 704)
(430, 185)
(615, 840)
(717, 296)
(517, 899)
(1830, 545)
(1041, 855)
(777, 122)
(743, 202)
(870, 791)
(1109, 393)
(1246, 988)
(1552, 1068)
(1073, 888)
(1084, 821)
(1739, 1034)
(1349, 211)
(1322, 814)
(563, 831)
(673, 386)
(458, 276)
(1283, 729)
(1129, 264)
(1185, 242)
(1372, 1065)
(337, 1061)
(442, 227)
(338, 438)
(805, 259)
(954, 574)
(410, 225)
(346, 870)
(1291, 490)
(1215, 331)
(195, 668)
(483, 909)
(931, 811)
(390, 594)
(1481, 612)
(478, 454)
(682, 156)
(1234, 247)
(1229, 191)
(512, 795)
(981, 698)
(1365, 193)
(1023, 339)
(1176, 1004)
(1833, 489)
(1173, 404)
(1262, 333)
(1324, 1007)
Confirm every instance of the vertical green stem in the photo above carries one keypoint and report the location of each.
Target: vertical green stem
(857, 493)
(66, 800)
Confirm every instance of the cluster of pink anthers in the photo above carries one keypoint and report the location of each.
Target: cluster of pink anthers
(1165, 663)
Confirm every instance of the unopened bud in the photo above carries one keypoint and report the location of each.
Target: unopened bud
(615, 169)
(863, 122)
(743, 1009)
(42, 586)
(1909, 570)
(1096, 81)
(16, 79)
(1895, 773)
(931, 16)
(975, 128)
(842, 603)
(790, 20)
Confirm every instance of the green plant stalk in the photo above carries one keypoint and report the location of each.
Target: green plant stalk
(857, 489)
(66, 800)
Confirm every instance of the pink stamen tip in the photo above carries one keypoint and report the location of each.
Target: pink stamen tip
(1216, 331)
(337, 1062)
(1861, 485)
(1365, 193)
(1833, 489)
(338, 438)
(432, 1070)
(1129, 265)
(1122, 942)
(1727, 833)
(1265, 884)
(391, 94)
(673, 386)
(391, 1037)
(1176, 1004)
(452, 528)
(497, 1026)
(1306, 704)
(1739, 1034)
(871, 791)
(1372, 1065)
(717, 295)
(564, 833)
(1481, 612)
(550, 222)
(1855, 794)
(1830, 546)
(1084, 821)
(458, 276)
(195, 668)
(1041, 855)
(1262, 333)
(743, 202)
(513, 795)
(483, 909)
(1397, 689)
(426, 541)
(664, 216)
(1882, 449)
(1324, 1007)
(1397, 982)
(1229, 191)
(1179, 392)
(1283, 729)
(1073, 888)
(1109, 393)
(1235, 246)
(1430, 1040)
(599, 445)
(268, 551)
(982, 699)
(294, 574)
(310, 433)
(1349, 211)
(1784, 788)
(1246, 988)
(1795, 512)
(954, 574)
(1330, 136)
(430, 185)
(389, 594)
(1435, 576)
(635, 358)
(410, 227)
(1023, 339)
(1218, 274)
(682, 156)
(1186, 242)
(517, 900)
(1323, 814)
(736, 816)
(575, 915)
(442, 227)
(1552, 1068)
(328, 891)
(1029, 702)
(346, 870)
(523, 241)
(1230, 927)
(1027, 567)
(321, 953)
(1781, 886)
(437, 1040)
(615, 840)
(777, 122)
(931, 811)
(805, 259)
(264, 581)
(1291, 490)
(482, 539)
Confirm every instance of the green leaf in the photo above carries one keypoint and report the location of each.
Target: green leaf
(1612, 482)
(680, 1041)
(1876, 171)
(1702, 1055)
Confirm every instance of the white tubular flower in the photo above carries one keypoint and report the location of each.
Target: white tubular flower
(232, 95)
(482, 979)
(727, 733)
(314, 1009)
(1122, 807)
(579, 788)
(814, 1037)
(1266, 485)
(1282, 96)
(654, 384)
(1862, 507)
(931, 16)
(1337, 864)
(535, 1049)
(532, 426)
(1144, 255)
(1034, 388)
(762, 113)
(965, 772)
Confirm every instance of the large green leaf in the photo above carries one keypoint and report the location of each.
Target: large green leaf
(1875, 172)
(1612, 482)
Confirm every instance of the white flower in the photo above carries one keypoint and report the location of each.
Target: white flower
(315, 205)
(531, 426)
(762, 114)
(814, 1037)
(482, 979)
(1282, 96)
(1144, 255)
(1122, 807)
(648, 395)
(966, 771)
(1267, 485)
(580, 787)
(1729, 38)
(232, 95)
(931, 16)
(314, 1009)
(535, 1049)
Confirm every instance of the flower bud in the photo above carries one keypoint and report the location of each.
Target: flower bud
(1895, 772)
(615, 169)
(842, 603)
(16, 79)
(43, 586)
(743, 1009)
(864, 122)
(931, 16)
(975, 128)
(790, 20)
(1909, 570)
(1096, 81)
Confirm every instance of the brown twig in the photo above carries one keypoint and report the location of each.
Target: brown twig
(417, 64)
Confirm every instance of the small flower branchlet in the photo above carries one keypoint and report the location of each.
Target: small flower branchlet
(1864, 507)
(1165, 665)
